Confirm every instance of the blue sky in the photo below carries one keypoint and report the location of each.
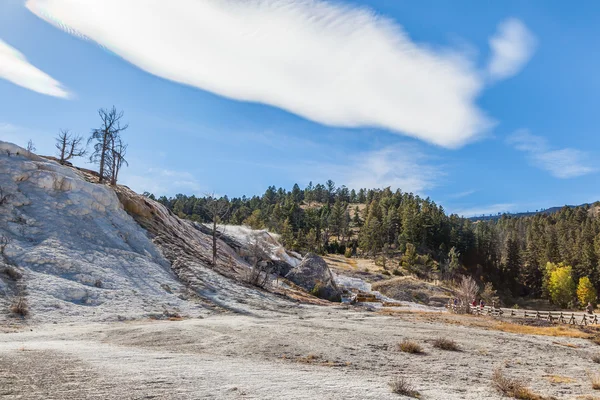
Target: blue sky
(482, 106)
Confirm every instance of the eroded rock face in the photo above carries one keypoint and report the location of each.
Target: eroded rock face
(78, 254)
(314, 275)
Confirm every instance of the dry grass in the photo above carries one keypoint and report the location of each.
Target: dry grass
(512, 387)
(489, 323)
(446, 344)
(402, 386)
(316, 360)
(559, 379)
(409, 346)
(558, 330)
(595, 378)
(19, 307)
(571, 345)
(311, 358)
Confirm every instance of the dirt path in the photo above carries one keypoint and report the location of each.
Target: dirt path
(314, 352)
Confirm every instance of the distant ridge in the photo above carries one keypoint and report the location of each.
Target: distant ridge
(551, 210)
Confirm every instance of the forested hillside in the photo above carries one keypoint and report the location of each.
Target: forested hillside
(518, 255)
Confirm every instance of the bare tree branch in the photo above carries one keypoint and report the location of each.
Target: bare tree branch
(107, 139)
(69, 146)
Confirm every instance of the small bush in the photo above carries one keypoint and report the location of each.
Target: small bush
(397, 272)
(403, 387)
(98, 283)
(512, 387)
(19, 307)
(446, 344)
(596, 358)
(348, 252)
(12, 273)
(408, 346)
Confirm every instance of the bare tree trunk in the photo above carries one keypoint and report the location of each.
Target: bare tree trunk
(103, 155)
(217, 210)
(214, 240)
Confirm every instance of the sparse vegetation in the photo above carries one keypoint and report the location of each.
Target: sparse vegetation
(403, 387)
(409, 346)
(446, 344)
(4, 241)
(20, 307)
(4, 196)
(512, 387)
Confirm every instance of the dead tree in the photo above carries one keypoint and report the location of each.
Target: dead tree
(261, 268)
(105, 136)
(467, 291)
(216, 209)
(30, 147)
(69, 146)
(116, 159)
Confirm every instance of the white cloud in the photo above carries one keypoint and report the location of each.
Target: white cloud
(15, 68)
(331, 63)
(512, 47)
(401, 166)
(561, 163)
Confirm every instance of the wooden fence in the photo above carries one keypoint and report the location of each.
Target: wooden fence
(562, 317)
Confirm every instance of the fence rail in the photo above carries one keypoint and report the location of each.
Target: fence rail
(562, 317)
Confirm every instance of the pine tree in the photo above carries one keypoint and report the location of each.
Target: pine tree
(287, 234)
(512, 263)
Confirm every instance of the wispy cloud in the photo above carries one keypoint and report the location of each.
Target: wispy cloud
(335, 64)
(402, 166)
(19, 135)
(512, 47)
(461, 195)
(161, 181)
(561, 163)
(492, 209)
(15, 68)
